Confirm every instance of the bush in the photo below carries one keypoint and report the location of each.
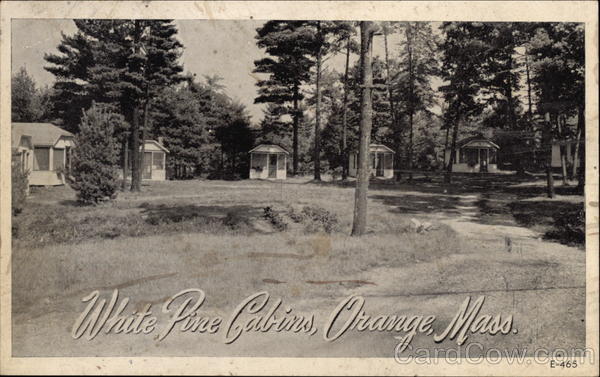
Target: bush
(569, 227)
(315, 219)
(336, 173)
(320, 218)
(275, 219)
(95, 157)
(19, 185)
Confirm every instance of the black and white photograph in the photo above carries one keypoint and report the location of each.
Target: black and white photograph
(318, 188)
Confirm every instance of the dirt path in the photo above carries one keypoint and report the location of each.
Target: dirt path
(467, 223)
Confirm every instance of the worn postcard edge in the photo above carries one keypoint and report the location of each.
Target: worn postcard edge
(572, 11)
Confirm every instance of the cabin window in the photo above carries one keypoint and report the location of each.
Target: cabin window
(158, 161)
(41, 160)
(469, 156)
(281, 162)
(259, 161)
(58, 159)
(492, 156)
(389, 161)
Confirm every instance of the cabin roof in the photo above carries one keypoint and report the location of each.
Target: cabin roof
(475, 139)
(158, 145)
(42, 134)
(379, 148)
(16, 138)
(268, 148)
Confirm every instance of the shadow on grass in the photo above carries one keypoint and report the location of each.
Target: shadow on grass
(501, 200)
(415, 204)
(215, 219)
(163, 213)
(462, 183)
(47, 224)
(562, 221)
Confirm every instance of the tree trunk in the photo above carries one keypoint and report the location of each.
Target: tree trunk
(411, 109)
(576, 155)
(547, 136)
(317, 149)
(125, 161)
(392, 104)
(359, 223)
(517, 147)
(446, 144)
(135, 136)
(135, 151)
(144, 128)
(345, 162)
(563, 157)
(581, 150)
(529, 102)
(530, 106)
(295, 118)
(451, 161)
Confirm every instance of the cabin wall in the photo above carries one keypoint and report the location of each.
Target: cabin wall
(25, 157)
(259, 166)
(352, 169)
(159, 165)
(49, 177)
(388, 171)
(159, 174)
(281, 166)
(569, 150)
(465, 168)
(158, 170)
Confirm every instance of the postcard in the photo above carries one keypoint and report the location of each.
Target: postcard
(306, 187)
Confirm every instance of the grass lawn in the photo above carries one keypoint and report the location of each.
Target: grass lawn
(491, 236)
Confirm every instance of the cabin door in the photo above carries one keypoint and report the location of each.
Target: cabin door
(272, 166)
(147, 171)
(379, 168)
(483, 160)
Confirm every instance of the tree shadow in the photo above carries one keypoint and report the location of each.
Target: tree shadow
(71, 203)
(236, 217)
(415, 204)
(508, 200)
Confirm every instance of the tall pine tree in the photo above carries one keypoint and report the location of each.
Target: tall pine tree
(290, 45)
(123, 63)
(463, 57)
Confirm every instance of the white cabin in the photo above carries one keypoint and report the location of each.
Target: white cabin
(268, 161)
(44, 150)
(381, 161)
(476, 154)
(155, 161)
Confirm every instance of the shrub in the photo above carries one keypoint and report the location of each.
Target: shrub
(319, 218)
(275, 219)
(315, 219)
(19, 185)
(233, 220)
(95, 157)
(336, 173)
(569, 227)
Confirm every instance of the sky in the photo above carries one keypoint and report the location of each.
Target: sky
(224, 48)
(211, 47)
